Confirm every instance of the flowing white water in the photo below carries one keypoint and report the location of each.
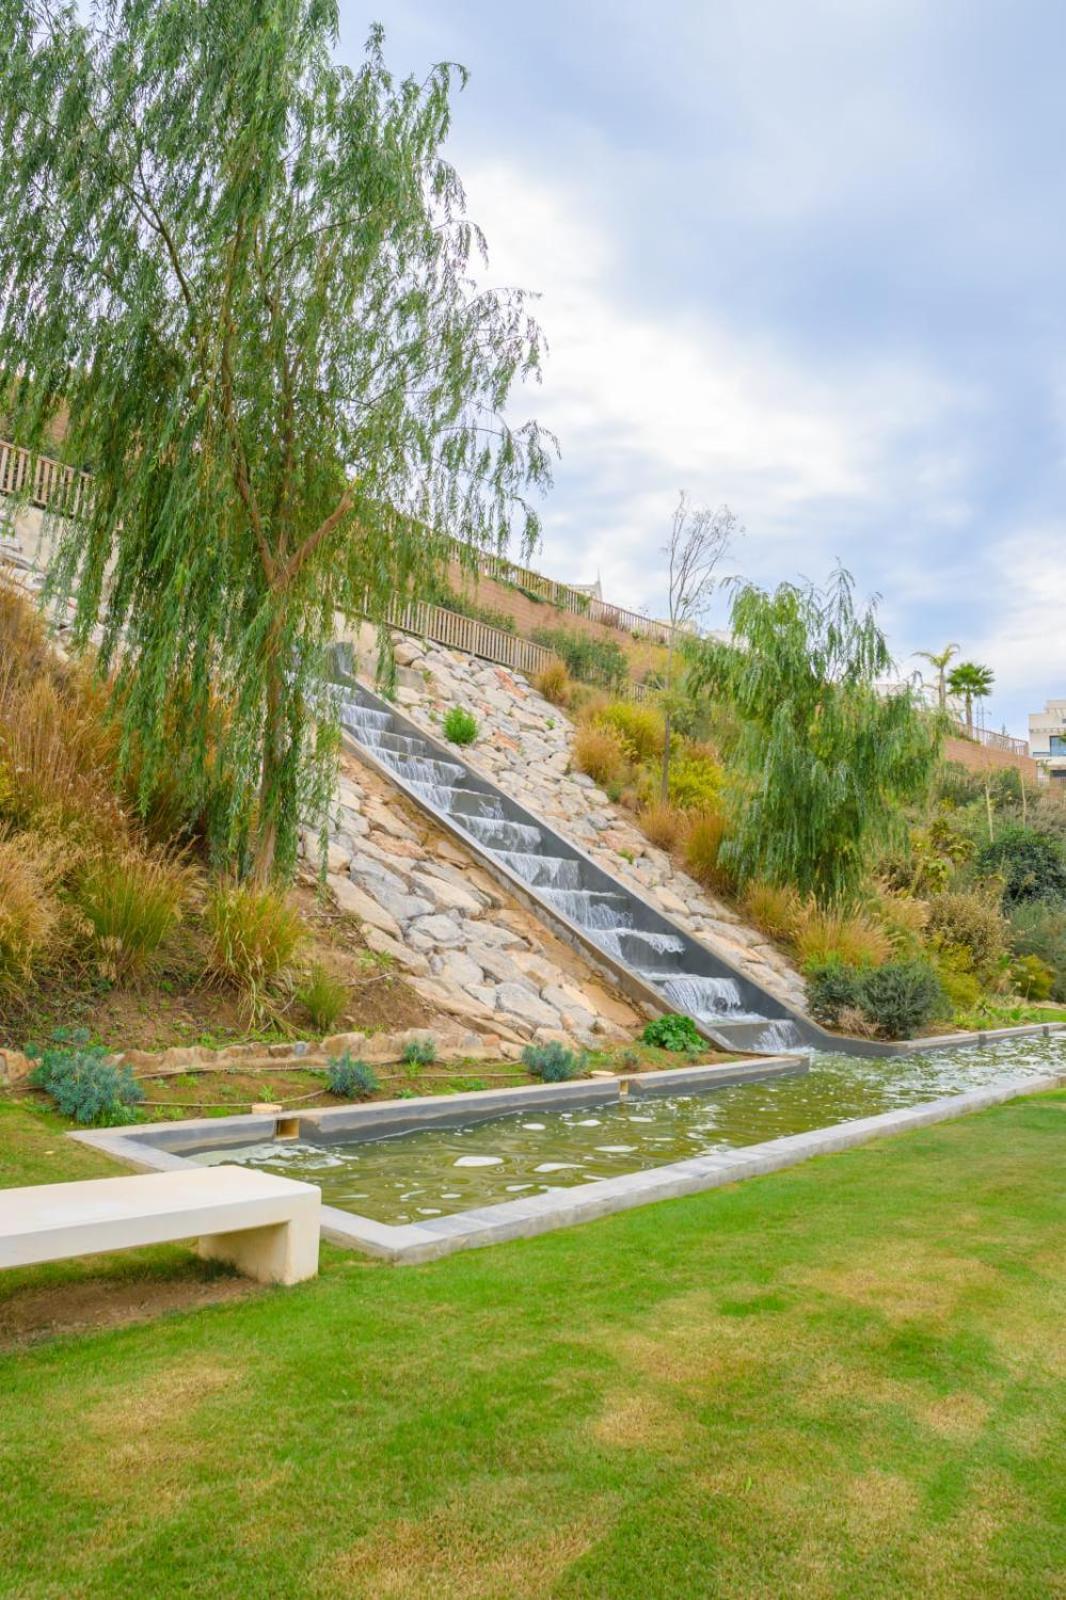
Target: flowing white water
(416, 770)
(556, 872)
(357, 716)
(497, 834)
(708, 998)
(589, 908)
(626, 944)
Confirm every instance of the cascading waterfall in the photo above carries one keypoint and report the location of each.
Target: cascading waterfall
(780, 1035)
(443, 797)
(707, 998)
(416, 769)
(626, 943)
(497, 834)
(591, 909)
(543, 872)
(358, 717)
(606, 915)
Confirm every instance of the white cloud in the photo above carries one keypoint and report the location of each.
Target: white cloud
(646, 405)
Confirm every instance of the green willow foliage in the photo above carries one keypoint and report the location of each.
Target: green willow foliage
(243, 271)
(825, 762)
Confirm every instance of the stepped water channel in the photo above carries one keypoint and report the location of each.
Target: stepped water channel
(657, 961)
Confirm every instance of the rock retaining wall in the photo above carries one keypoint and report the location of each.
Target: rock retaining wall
(470, 950)
(523, 745)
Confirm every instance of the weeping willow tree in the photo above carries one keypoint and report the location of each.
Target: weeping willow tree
(243, 274)
(825, 759)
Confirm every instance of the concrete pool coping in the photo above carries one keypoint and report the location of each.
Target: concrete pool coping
(156, 1146)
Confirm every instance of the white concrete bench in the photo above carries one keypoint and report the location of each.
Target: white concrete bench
(265, 1226)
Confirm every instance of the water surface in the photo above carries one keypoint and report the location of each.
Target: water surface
(434, 1172)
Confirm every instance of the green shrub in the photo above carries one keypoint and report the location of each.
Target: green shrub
(1039, 929)
(83, 1082)
(551, 1063)
(419, 1053)
(323, 997)
(460, 727)
(131, 904)
(351, 1079)
(588, 659)
(969, 923)
(695, 780)
(254, 935)
(961, 987)
(902, 997)
(673, 1032)
(640, 728)
(896, 999)
(1032, 865)
(832, 989)
(1033, 978)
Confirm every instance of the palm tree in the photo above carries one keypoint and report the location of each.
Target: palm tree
(973, 682)
(939, 659)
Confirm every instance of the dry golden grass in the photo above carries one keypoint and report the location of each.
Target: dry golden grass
(599, 753)
(702, 843)
(855, 940)
(553, 682)
(663, 825)
(773, 907)
(254, 936)
(29, 914)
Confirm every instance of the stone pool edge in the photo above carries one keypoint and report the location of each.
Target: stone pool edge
(411, 1243)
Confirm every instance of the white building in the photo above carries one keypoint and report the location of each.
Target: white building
(1047, 739)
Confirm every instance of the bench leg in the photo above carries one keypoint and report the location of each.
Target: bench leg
(287, 1252)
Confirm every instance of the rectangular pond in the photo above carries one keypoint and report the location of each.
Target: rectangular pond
(416, 1176)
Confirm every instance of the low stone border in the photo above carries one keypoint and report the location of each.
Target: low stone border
(156, 1147)
(522, 1219)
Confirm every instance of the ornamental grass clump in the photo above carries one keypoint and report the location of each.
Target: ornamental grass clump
(323, 997)
(254, 936)
(663, 826)
(131, 904)
(599, 753)
(553, 682)
(29, 915)
(821, 937)
(460, 726)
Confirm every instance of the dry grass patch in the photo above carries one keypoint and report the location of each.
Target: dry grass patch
(484, 1549)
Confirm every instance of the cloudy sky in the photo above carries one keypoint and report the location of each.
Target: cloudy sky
(807, 259)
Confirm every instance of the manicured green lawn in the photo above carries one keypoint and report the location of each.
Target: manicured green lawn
(844, 1380)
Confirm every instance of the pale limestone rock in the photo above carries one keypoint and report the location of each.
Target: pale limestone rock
(403, 954)
(521, 1000)
(456, 967)
(446, 896)
(359, 904)
(442, 930)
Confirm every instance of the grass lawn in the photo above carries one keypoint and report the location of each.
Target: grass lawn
(848, 1379)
